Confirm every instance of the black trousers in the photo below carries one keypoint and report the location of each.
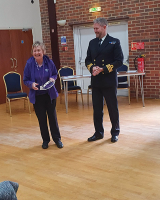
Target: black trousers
(45, 107)
(110, 96)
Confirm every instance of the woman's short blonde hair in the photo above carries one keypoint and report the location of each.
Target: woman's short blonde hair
(37, 44)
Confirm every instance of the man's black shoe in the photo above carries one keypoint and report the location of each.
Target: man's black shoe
(45, 145)
(59, 144)
(94, 138)
(114, 138)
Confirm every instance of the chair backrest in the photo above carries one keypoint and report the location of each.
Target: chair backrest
(66, 71)
(12, 81)
(123, 68)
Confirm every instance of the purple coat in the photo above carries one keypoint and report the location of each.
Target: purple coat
(29, 77)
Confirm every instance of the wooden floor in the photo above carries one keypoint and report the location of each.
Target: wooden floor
(126, 170)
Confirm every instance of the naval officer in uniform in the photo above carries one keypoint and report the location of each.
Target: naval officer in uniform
(104, 56)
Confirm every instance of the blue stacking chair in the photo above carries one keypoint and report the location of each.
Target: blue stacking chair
(12, 81)
(72, 85)
(123, 82)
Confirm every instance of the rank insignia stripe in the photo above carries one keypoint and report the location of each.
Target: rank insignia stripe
(89, 66)
(110, 67)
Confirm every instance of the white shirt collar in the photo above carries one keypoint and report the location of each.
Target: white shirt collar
(103, 38)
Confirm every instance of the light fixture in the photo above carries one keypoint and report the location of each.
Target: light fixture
(61, 22)
(96, 9)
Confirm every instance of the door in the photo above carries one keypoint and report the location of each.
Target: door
(82, 36)
(15, 49)
(5, 60)
(120, 31)
(21, 44)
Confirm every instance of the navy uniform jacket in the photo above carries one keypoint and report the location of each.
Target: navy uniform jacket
(108, 56)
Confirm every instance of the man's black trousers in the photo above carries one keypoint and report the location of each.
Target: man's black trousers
(110, 96)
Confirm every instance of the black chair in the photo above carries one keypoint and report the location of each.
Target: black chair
(12, 81)
(123, 82)
(72, 85)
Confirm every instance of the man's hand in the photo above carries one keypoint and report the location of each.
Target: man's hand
(96, 70)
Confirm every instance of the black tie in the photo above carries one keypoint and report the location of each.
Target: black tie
(99, 42)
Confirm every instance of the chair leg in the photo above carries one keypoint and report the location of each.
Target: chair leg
(76, 96)
(6, 105)
(129, 97)
(82, 97)
(29, 105)
(24, 104)
(61, 97)
(9, 107)
(88, 96)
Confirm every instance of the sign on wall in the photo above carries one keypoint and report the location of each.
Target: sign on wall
(63, 40)
(137, 45)
(96, 9)
(140, 45)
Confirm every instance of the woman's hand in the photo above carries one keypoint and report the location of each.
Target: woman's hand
(34, 86)
(52, 79)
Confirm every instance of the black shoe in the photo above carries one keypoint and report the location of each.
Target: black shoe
(114, 138)
(45, 145)
(59, 144)
(94, 138)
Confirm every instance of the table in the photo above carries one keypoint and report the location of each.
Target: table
(129, 73)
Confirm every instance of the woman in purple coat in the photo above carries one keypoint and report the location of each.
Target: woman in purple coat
(38, 70)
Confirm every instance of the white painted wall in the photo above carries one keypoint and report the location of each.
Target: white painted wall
(19, 14)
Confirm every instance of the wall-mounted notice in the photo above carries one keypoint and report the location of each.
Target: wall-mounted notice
(140, 45)
(133, 46)
(63, 40)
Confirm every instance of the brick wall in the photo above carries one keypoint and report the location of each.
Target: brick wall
(45, 26)
(143, 26)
